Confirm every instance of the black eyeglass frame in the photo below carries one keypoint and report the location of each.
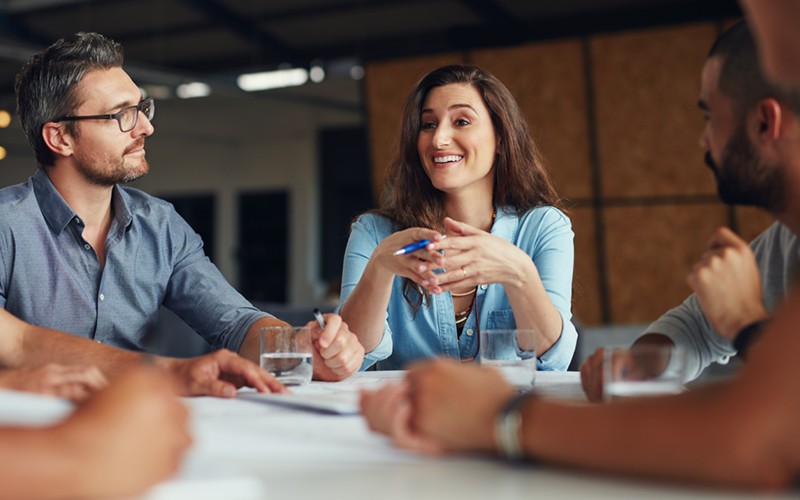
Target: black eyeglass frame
(145, 104)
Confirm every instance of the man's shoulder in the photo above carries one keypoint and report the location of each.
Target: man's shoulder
(11, 197)
(776, 238)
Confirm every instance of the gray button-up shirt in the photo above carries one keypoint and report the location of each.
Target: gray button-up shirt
(50, 276)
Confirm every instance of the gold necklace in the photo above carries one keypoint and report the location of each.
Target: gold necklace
(464, 294)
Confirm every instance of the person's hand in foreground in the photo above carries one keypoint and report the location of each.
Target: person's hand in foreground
(444, 406)
(219, 374)
(337, 351)
(69, 382)
(728, 284)
(120, 442)
(592, 376)
(388, 411)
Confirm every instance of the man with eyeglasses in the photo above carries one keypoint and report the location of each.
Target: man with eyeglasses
(83, 254)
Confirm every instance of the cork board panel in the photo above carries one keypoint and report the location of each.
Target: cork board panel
(752, 221)
(650, 251)
(387, 84)
(548, 81)
(646, 86)
(586, 306)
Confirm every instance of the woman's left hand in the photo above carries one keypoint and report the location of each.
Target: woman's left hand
(473, 257)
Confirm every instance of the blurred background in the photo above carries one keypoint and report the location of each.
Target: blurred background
(276, 119)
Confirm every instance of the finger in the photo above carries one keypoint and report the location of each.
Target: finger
(246, 373)
(460, 228)
(343, 362)
(73, 391)
(459, 277)
(216, 388)
(724, 237)
(333, 323)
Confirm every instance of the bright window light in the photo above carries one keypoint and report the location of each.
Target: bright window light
(272, 79)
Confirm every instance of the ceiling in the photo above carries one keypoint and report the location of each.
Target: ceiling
(173, 41)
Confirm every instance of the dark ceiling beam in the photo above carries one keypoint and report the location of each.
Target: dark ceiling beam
(592, 23)
(289, 14)
(492, 35)
(267, 45)
(490, 11)
(11, 26)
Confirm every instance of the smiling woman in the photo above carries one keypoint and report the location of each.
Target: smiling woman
(468, 178)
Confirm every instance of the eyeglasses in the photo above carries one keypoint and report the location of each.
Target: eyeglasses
(126, 117)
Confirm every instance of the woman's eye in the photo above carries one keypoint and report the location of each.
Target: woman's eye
(428, 126)
(462, 122)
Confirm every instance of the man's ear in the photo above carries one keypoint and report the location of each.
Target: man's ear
(57, 138)
(770, 120)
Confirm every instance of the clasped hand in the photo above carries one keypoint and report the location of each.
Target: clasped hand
(464, 259)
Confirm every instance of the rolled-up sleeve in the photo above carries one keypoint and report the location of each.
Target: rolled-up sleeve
(364, 237)
(553, 255)
(199, 293)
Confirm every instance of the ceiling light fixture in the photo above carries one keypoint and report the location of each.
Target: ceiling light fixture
(192, 89)
(265, 80)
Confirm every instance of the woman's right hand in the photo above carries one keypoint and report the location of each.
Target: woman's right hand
(418, 266)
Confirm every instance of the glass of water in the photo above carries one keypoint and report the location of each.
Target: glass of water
(287, 352)
(506, 351)
(647, 370)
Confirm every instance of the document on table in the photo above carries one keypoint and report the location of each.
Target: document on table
(339, 398)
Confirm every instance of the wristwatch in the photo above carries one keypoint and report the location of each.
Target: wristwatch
(508, 427)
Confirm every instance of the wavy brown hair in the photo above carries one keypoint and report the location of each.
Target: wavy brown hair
(521, 180)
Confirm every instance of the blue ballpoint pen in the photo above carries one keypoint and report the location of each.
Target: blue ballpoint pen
(413, 247)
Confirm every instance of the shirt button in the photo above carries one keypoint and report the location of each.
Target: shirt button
(77, 220)
(469, 332)
(483, 287)
(102, 297)
(87, 246)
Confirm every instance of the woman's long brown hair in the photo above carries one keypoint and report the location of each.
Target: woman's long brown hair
(520, 178)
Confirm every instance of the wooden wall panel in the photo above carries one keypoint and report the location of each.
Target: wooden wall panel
(646, 89)
(643, 91)
(387, 85)
(650, 250)
(586, 307)
(548, 82)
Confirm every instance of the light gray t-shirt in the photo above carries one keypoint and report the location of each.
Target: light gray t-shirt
(777, 254)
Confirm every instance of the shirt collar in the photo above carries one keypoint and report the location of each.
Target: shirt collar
(505, 223)
(58, 214)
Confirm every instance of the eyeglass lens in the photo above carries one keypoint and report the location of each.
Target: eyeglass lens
(128, 116)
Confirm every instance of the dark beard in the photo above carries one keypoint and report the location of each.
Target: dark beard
(109, 178)
(745, 179)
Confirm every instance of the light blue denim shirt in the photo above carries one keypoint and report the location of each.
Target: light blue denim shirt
(50, 276)
(543, 233)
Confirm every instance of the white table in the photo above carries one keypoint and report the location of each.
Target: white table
(255, 450)
(249, 450)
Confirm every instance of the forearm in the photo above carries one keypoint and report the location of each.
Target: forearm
(365, 308)
(34, 463)
(39, 346)
(694, 437)
(533, 309)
